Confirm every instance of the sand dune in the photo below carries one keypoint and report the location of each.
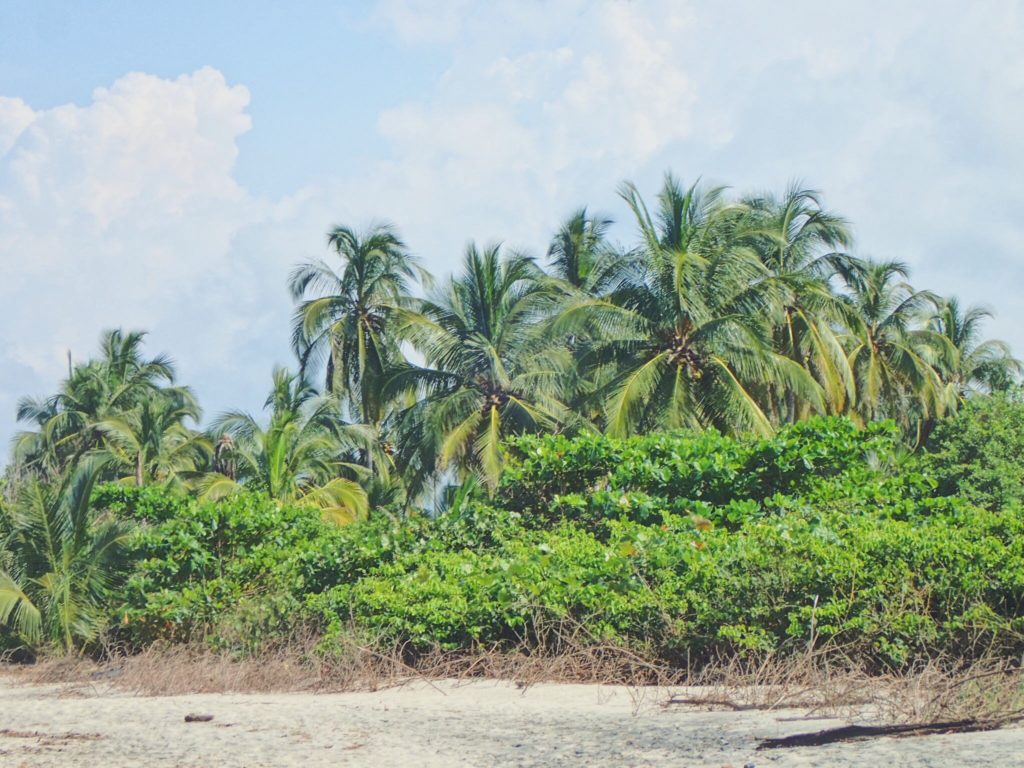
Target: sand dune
(444, 724)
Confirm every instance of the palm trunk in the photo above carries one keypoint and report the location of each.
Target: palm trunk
(790, 406)
(794, 355)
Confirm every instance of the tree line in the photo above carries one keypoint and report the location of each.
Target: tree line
(739, 313)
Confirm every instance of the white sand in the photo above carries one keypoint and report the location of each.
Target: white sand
(447, 724)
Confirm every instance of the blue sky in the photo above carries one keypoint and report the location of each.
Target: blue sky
(163, 165)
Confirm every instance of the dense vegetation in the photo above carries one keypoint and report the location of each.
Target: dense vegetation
(685, 545)
(732, 436)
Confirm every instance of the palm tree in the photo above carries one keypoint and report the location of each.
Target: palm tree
(152, 440)
(581, 256)
(973, 365)
(578, 249)
(61, 562)
(343, 318)
(67, 424)
(489, 371)
(891, 357)
(685, 329)
(299, 457)
(800, 244)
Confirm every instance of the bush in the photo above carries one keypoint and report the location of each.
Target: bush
(237, 568)
(593, 478)
(687, 545)
(148, 504)
(892, 591)
(978, 454)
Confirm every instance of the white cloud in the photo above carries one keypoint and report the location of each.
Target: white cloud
(539, 108)
(15, 117)
(424, 21)
(122, 212)
(907, 116)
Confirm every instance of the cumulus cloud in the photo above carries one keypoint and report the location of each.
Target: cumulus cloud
(15, 117)
(122, 212)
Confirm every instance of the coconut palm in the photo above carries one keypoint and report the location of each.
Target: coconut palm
(892, 358)
(973, 365)
(578, 249)
(685, 329)
(489, 372)
(60, 563)
(67, 424)
(152, 440)
(801, 245)
(343, 317)
(581, 256)
(298, 457)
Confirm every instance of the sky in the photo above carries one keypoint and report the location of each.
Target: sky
(163, 166)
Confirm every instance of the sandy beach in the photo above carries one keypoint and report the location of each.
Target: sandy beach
(448, 723)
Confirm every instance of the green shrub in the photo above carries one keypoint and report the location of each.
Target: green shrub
(593, 478)
(687, 545)
(890, 590)
(149, 504)
(238, 567)
(451, 599)
(978, 454)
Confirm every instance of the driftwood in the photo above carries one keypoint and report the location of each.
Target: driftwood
(855, 732)
(703, 701)
(69, 736)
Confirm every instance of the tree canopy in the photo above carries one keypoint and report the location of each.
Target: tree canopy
(734, 312)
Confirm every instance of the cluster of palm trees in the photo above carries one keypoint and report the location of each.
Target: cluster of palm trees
(733, 313)
(120, 406)
(739, 314)
(124, 414)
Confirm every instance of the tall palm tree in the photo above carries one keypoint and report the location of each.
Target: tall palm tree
(974, 364)
(298, 457)
(578, 249)
(61, 561)
(892, 358)
(343, 317)
(152, 440)
(489, 372)
(685, 329)
(67, 423)
(582, 257)
(802, 244)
